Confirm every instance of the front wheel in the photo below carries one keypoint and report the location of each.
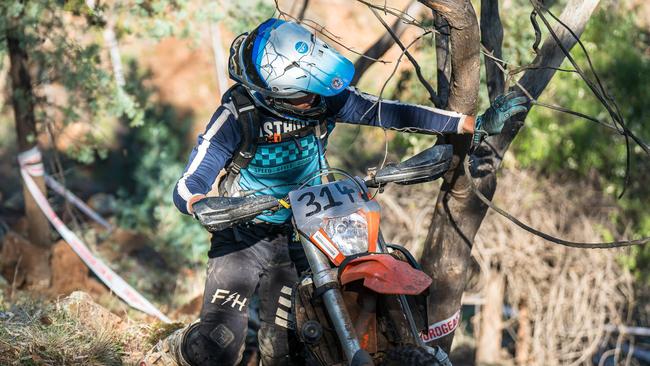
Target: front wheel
(416, 356)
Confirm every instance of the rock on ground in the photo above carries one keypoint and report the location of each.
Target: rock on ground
(82, 307)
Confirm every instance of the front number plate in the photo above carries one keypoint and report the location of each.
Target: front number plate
(327, 200)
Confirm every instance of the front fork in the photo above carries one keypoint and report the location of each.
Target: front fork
(325, 275)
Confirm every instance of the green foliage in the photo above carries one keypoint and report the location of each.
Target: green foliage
(63, 41)
(158, 19)
(155, 160)
(554, 142)
(54, 36)
(243, 16)
(65, 44)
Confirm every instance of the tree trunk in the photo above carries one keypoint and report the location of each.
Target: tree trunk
(492, 40)
(446, 257)
(443, 58)
(488, 347)
(381, 46)
(458, 212)
(23, 105)
(524, 334)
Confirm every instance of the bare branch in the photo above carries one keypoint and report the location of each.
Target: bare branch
(404, 16)
(432, 93)
(383, 87)
(303, 10)
(551, 238)
(575, 15)
(492, 40)
(382, 45)
(322, 30)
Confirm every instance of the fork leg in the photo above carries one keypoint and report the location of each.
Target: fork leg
(324, 274)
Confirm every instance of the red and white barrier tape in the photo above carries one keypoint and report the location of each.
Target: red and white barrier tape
(81, 205)
(30, 165)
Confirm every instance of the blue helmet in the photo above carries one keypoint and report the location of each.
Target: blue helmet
(283, 60)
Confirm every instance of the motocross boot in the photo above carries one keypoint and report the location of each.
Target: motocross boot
(167, 352)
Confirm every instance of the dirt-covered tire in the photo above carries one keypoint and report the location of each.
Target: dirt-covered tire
(412, 356)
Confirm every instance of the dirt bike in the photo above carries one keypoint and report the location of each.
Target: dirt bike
(363, 301)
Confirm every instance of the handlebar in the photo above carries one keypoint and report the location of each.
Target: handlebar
(219, 213)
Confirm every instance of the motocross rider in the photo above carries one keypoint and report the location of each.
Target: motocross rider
(298, 89)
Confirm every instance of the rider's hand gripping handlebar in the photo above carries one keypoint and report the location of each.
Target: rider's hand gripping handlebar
(218, 213)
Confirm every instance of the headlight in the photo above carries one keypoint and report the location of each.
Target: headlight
(349, 233)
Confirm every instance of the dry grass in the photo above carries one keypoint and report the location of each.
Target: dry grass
(35, 334)
(571, 294)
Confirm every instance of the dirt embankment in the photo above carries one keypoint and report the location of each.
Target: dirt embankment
(46, 319)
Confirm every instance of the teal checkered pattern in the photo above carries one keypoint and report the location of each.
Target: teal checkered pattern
(274, 155)
(282, 166)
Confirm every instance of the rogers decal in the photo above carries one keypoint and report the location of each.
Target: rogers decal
(441, 328)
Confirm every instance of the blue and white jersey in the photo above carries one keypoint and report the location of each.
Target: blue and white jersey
(280, 167)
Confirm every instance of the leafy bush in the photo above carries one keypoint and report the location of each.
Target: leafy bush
(156, 154)
(154, 160)
(62, 58)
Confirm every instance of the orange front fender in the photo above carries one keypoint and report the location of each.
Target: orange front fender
(385, 274)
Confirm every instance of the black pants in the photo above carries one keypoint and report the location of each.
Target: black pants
(242, 259)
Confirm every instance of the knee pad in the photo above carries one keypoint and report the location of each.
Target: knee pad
(214, 344)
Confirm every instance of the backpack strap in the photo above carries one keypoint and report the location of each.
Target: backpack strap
(249, 122)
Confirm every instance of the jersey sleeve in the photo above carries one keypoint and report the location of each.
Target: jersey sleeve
(214, 149)
(352, 106)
